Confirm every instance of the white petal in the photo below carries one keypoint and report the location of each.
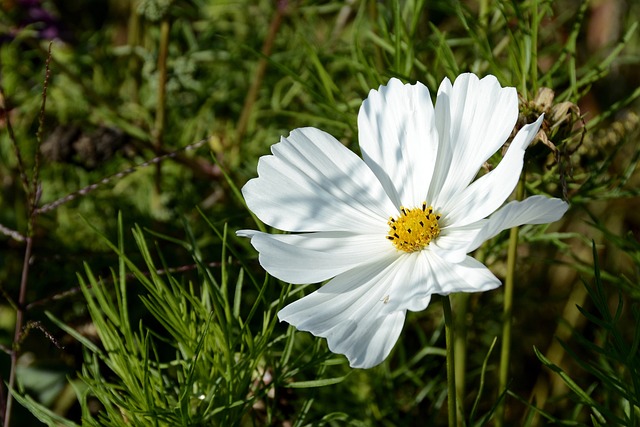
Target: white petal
(532, 210)
(473, 276)
(419, 275)
(347, 311)
(488, 193)
(412, 284)
(361, 311)
(474, 118)
(453, 242)
(314, 183)
(314, 257)
(469, 275)
(399, 141)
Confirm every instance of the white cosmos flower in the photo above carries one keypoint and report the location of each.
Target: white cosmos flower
(395, 226)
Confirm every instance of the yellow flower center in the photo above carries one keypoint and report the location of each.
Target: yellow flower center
(414, 228)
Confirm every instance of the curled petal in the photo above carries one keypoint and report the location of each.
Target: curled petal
(488, 193)
(474, 119)
(532, 210)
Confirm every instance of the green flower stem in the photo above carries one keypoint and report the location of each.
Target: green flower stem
(460, 322)
(461, 302)
(505, 352)
(451, 368)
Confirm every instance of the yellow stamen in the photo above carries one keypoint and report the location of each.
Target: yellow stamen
(414, 228)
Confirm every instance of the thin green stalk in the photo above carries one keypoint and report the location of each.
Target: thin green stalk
(133, 40)
(397, 28)
(451, 364)
(4, 109)
(163, 53)
(483, 14)
(15, 351)
(258, 76)
(36, 157)
(377, 50)
(505, 352)
(534, 47)
(461, 302)
(33, 194)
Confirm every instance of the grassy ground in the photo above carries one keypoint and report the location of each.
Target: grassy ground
(131, 302)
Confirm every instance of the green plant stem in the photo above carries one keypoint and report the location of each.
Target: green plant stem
(4, 109)
(163, 53)
(399, 53)
(483, 14)
(534, 47)
(505, 352)
(36, 157)
(460, 322)
(18, 331)
(377, 50)
(33, 193)
(256, 82)
(133, 39)
(461, 302)
(451, 368)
